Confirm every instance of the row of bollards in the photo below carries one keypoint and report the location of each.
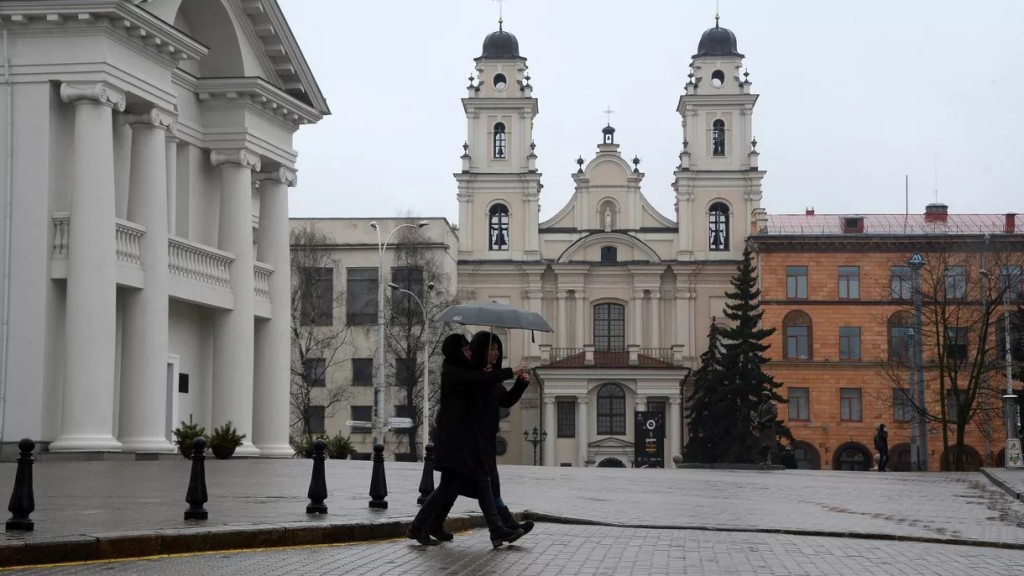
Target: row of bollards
(22, 502)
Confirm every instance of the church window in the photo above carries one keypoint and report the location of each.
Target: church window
(718, 138)
(717, 78)
(500, 141)
(500, 82)
(611, 410)
(609, 327)
(718, 227)
(498, 218)
(609, 254)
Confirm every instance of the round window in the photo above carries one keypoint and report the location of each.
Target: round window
(500, 82)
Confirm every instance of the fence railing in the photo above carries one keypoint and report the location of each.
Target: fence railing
(200, 263)
(262, 274)
(129, 248)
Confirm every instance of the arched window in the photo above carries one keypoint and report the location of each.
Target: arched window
(609, 254)
(797, 329)
(498, 221)
(718, 227)
(611, 410)
(500, 140)
(609, 327)
(899, 341)
(718, 138)
(852, 456)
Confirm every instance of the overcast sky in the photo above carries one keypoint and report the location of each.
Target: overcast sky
(854, 94)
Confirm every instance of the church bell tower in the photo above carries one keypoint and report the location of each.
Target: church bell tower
(499, 186)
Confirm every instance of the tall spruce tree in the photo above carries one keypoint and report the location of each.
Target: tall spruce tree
(709, 423)
(743, 344)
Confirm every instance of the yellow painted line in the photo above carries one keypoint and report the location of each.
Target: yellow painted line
(204, 553)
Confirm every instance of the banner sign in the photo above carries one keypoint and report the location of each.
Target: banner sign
(649, 440)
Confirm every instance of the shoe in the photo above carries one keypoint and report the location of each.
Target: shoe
(503, 535)
(509, 520)
(441, 535)
(420, 536)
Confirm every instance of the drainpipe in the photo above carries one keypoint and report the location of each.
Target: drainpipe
(8, 220)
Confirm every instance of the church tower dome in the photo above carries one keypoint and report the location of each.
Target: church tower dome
(717, 41)
(500, 45)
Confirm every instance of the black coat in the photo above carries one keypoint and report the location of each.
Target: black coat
(457, 446)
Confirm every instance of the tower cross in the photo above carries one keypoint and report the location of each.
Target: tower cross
(501, 15)
(609, 113)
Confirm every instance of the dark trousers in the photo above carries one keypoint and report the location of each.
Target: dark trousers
(441, 500)
(883, 460)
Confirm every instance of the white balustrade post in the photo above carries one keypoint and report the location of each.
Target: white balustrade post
(675, 438)
(548, 454)
(234, 329)
(273, 337)
(87, 414)
(582, 429)
(144, 425)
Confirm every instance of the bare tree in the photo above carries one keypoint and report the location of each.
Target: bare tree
(961, 309)
(319, 334)
(418, 263)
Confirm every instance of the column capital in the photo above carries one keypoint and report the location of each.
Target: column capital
(639, 399)
(156, 117)
(674, 400)
(638, 293)
(99, 93)
(562, 294)
(549, 399)
(241, 156)
(582, 399)
(282, 174)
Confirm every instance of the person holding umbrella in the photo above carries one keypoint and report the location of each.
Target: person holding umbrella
(458, 454)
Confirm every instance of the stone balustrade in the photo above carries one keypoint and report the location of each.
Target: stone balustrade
(262, 274)
(128, 235)
(199, 262)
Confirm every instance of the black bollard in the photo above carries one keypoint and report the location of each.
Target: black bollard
(318, 483)
(23, 501)
(427, 480)
(196, 495)
(378, 483)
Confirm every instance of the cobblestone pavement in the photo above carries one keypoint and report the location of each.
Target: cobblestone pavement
(561, 549)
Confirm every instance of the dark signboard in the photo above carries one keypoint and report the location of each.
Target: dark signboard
(649, 440)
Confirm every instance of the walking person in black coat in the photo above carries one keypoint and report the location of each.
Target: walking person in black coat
(486, 353)
(457, 454)
(882, 445)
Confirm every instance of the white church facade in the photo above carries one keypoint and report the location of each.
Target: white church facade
(148, 157)
(630, 291)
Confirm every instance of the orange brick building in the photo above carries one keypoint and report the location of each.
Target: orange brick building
(838, 290)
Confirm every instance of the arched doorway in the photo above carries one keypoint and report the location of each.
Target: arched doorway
(611, 463)
(899, 458)
(807, 456)
(852, 456)
(972, 459)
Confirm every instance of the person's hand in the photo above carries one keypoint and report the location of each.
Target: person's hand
(521, 368)
(525, 376)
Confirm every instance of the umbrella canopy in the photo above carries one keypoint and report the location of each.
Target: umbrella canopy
(494, 315)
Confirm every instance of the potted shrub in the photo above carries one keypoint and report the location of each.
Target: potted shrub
(223, 441)
(185, 434)
(339, 447)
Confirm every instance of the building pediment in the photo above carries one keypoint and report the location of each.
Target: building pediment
(640, 250)
(610, 443)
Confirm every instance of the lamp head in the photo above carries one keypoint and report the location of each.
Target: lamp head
(373, 225)
(394, 286)
(430, 285)
(422, 223)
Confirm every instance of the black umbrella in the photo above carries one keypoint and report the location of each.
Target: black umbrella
(494, 315)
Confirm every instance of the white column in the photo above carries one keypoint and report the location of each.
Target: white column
(682, 320)
(581, 324)
(675, 430)
(549, 427)
(582, 429)
(641, 402)
(563, 321)
(87, 417)
(655, 319)
(143, 410)
(637, 312)
(172, 183)
(536, 304)
(273, 337)
(234, 329)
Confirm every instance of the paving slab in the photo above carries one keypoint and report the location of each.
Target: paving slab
(95, 510)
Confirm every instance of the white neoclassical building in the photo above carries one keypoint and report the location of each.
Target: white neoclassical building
(630, 292)
(147, 150)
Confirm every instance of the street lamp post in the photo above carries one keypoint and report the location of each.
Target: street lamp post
(426, 357)
(1010, 399)
(916, 263)
(378, 381)
(536, 439)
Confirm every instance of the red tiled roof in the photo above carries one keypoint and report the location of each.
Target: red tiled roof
(887, 224)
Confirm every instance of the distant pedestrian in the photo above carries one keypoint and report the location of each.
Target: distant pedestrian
(882, 446)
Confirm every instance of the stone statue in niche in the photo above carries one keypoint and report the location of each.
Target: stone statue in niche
(607, 219)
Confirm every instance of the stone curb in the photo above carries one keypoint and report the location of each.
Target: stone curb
(116, 546)
(556, 519)
(1002, 485)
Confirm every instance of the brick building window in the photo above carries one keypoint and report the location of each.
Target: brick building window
(902, 407)
(849, 405)
(796, 281)
(956, 282)
(901, 282)
(797, 332)
(849, 282)
(799, 403)
(899, 338)
(849, 343)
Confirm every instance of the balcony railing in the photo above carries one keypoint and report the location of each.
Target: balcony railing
(128, 236)
(262, 273)
(200, 263)
(632, 357)
(61, 234)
